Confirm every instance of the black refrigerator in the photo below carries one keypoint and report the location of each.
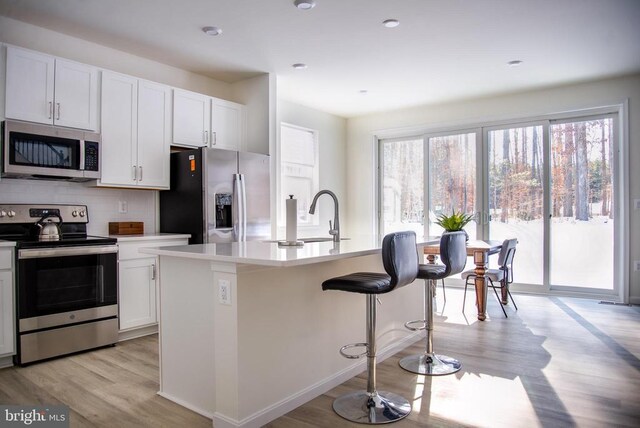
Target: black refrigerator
(217, 195)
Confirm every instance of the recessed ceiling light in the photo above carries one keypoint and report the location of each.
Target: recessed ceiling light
(363, 91)
(299, 66)
(390, 23)
(212, 31)
(305, 4)
(514, 63)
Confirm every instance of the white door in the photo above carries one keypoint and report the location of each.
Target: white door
(76, 95)
(191, 119)
(7, 331)
(30, 79)
(137, 293)
(227, 124)
(119, 129)
(154, 139)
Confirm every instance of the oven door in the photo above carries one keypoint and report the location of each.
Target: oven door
(66, 279)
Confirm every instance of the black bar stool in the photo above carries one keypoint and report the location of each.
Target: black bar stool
(453, 254)
(400, 260)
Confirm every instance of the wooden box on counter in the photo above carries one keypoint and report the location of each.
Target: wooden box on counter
(126, 228)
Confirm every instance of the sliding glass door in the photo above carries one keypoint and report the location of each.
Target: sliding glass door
(548, 183)
(582, 204)
(452, 178)
(515, 196)
(402, 185)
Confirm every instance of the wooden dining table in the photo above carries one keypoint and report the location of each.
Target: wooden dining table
(480, 250)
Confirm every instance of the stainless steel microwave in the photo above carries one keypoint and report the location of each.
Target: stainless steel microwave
(42, 151)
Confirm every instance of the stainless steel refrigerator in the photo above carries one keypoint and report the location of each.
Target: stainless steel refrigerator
(217, 195)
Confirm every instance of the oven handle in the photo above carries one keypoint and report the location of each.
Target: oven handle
(66, 252)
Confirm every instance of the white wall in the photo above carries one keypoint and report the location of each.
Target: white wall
(333, 173)
(256, 94)
(361, 133)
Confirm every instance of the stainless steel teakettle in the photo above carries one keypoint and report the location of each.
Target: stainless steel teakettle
(49, 230)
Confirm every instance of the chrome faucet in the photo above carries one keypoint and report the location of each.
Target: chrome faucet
(334, 230)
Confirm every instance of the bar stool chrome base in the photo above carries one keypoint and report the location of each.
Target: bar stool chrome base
(430, 364)
(378, 408)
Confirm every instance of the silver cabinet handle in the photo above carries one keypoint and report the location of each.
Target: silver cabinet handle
(50, 109)
(140, 177)
(206, 137)
(58, 118)
(215, 138)
(153, 271)
(134, 173)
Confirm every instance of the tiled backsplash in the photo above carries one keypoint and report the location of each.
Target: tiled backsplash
(102, 203)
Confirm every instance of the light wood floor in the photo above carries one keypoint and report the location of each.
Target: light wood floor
(557, 362)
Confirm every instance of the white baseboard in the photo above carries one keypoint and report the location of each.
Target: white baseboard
(286, 405)
(6, 361)
(137, 332)
(187, 405)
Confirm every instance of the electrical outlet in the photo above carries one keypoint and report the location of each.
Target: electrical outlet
(224, 291)
(123, 207)
(636, 266)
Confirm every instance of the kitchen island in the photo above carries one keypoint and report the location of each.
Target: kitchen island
(247, 334)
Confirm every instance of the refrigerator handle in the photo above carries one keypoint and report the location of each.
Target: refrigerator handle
(237, 209)
(243, 212)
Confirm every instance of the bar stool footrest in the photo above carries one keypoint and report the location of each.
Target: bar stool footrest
(408, 325)
(354, 345)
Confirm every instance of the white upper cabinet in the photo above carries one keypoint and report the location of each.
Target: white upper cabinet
(45, 89)
(119, 129)
(136, 118)
(227, 124)
(191, 119)
(199, 121)
(154, 134)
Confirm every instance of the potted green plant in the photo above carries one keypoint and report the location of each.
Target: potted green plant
(454, 222)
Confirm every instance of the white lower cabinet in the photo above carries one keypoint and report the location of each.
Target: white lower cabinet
(7, 330)
(138, 283)
(138, 293)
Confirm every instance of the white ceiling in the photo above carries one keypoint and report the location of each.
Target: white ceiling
(443, 49)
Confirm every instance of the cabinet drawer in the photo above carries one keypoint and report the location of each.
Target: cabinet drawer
(6, 257)
(130, 250)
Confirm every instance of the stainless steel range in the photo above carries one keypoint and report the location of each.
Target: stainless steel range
(66, 281)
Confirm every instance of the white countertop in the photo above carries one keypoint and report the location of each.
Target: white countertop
(150, 237)
(267, 253)
(7, 244)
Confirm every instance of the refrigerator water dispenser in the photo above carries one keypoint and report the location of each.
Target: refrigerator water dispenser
(223, 211)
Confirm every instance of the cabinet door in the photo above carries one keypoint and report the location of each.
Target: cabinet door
(137, 293)
(29, 93)
(154, 139)
(119, 129)
(7, 331)
(76, 95)
(191, 118)
(227, 125)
